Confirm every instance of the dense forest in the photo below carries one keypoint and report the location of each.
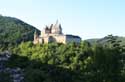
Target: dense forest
(72, 62)
(14, 31)
(101, 60)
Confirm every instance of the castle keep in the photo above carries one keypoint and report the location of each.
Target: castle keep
(53, 33)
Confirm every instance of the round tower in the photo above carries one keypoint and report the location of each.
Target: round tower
(36, 38)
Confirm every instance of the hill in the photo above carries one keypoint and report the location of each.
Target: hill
(13, 30)
(92, 41)
(104, 40)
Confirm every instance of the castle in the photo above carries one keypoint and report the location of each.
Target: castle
(54, 34)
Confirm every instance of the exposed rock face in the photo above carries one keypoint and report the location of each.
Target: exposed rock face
(16, 74)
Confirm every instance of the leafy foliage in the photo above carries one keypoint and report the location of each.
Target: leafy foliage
(55, 62)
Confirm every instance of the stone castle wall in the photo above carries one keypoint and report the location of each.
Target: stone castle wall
(72, 39)
(54, 34)
(60, 38)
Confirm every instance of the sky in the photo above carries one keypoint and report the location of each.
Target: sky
(86, 18)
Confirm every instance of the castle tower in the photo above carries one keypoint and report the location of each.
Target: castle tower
(56, 29)
(60, 29)
(36, 38)
(47, 30)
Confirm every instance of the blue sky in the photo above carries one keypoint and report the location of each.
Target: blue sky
(86, 18)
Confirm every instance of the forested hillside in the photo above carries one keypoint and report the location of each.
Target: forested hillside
(103, 41)
(95, 60)
(13, 30)
(55, 62)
